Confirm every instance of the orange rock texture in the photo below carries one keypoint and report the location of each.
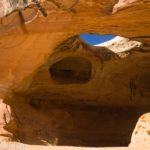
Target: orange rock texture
(55, 89)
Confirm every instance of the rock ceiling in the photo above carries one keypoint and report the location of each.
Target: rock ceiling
(48, 73)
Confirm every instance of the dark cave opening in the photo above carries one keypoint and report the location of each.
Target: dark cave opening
(71, 70)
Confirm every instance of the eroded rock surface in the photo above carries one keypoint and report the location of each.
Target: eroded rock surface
(120, 44)
(141, 134)
(5, 119)
(57, 90)
(73, 94)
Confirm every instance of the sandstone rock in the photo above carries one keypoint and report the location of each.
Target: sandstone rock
(100, 108)
(122, 4)
(141, 133)
(5, 118)
(120, 44)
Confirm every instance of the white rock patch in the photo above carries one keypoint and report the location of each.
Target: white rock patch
(123, 4)
(120, 44)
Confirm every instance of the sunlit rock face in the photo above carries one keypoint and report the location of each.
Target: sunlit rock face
(120, 44)
(141, 132)
(57, 90)
(123, 4)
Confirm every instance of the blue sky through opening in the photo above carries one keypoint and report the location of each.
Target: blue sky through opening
(94, 39)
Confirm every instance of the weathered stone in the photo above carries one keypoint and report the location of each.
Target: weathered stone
(106, 90)
(141, 133)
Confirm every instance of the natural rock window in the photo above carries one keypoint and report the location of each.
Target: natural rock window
(71, 70)
(94, 39)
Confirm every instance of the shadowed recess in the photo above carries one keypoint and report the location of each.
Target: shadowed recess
(71, 70)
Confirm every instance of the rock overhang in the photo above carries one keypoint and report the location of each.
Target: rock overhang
(42, 42)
